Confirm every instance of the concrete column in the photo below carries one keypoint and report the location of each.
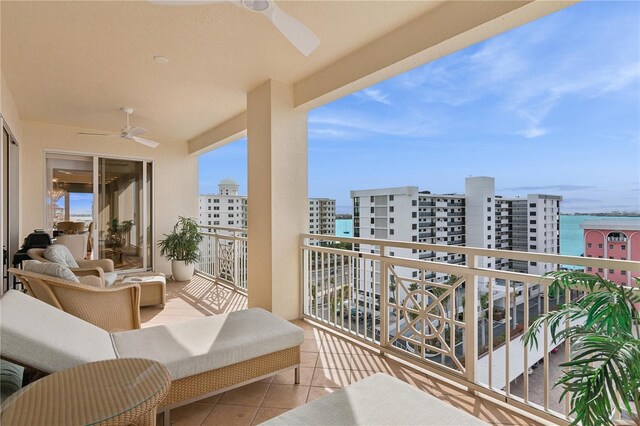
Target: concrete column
(277, 198)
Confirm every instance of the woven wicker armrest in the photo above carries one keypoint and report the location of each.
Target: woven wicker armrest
(83, 272)
(112, 309)
(105, 264)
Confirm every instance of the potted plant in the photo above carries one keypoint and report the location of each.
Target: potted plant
(181, 246)
(117, 233)
(604, 372)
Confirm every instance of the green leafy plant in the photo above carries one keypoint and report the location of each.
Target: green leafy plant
(117, 232)
(604, 372)
(183, 242)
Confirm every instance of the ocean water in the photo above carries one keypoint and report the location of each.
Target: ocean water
(571, 238)
(344, 227)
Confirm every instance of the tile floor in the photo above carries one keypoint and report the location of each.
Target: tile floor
(328, 363)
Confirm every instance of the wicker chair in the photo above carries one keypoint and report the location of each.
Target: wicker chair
(96, 267)
(115, 308)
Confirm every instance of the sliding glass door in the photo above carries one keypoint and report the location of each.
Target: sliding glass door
(111, 197)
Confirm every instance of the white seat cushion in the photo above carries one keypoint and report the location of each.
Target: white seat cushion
(37, 334)
(141, 279)
(191, 347)
(377, 400)
(110, 278)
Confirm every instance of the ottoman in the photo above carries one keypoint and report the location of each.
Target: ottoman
(377, 400)
(153, 287)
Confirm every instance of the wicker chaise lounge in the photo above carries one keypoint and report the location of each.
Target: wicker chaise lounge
(205, 356)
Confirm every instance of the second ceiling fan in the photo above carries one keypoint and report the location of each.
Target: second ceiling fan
(128, 132)
(295, 31)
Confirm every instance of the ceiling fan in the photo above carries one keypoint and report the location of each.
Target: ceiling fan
(295, 31)
(128, 132)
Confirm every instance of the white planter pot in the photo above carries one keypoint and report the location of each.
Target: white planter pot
(181, 270)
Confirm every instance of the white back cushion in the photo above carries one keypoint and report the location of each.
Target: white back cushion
(59, 253)
(39, 335)
(52, 269)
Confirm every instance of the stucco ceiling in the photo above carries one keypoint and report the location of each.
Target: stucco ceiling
(77, 62)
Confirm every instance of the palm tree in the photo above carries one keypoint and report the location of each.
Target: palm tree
(605, 368)
(484, 304)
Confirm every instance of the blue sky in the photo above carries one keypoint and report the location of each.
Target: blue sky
(551, 107)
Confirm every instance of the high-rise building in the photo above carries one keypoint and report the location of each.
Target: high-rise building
(478, 218)
(612, 239)
(229, 209)
(226, 209)
(322, 216)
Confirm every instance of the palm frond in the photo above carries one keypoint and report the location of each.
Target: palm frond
(604, 372)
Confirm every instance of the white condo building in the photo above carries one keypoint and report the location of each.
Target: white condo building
(478, 218)
(228, 209)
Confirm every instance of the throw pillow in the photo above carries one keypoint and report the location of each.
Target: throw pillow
(10, 379)
(59, 253)
(52, 269)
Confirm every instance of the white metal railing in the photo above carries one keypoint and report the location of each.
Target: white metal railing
(223, 255)
(428, 313)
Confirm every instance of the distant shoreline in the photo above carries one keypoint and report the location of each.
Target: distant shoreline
(609, 214)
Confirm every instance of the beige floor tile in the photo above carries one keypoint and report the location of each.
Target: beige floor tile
(302, 324)
(318, 392)
(308, 359)
(285, 396)
(288, 377)
(230, 415)
(315, 333)
(310, 345)
(339, 346)
(265, 414)
(373, 363)
(250, 395)
(192, 414)
(338, 361)
(212, 399)
(266, 380)
(330, 378)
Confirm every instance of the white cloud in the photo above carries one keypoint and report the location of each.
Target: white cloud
(375, 95)
(533, 132)
(625, 76)
(366, 123)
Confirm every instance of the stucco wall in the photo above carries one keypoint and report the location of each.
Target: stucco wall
(9, 110)
(175, 185)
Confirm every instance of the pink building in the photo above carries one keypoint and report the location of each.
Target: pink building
(612, 239)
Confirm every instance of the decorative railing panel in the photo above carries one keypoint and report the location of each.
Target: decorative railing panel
(223, 256)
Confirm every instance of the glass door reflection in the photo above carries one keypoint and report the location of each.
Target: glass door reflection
(121, 212)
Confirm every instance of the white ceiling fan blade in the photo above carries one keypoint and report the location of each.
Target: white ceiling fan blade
(295, 31)
(135, 131)
(95, 134)
(147, 142)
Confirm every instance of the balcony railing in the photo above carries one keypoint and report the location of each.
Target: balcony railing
(223, 256)
(392, 305)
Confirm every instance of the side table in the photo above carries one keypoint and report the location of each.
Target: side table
(113, 392)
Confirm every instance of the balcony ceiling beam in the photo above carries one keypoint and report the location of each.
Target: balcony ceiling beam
(224, 133)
